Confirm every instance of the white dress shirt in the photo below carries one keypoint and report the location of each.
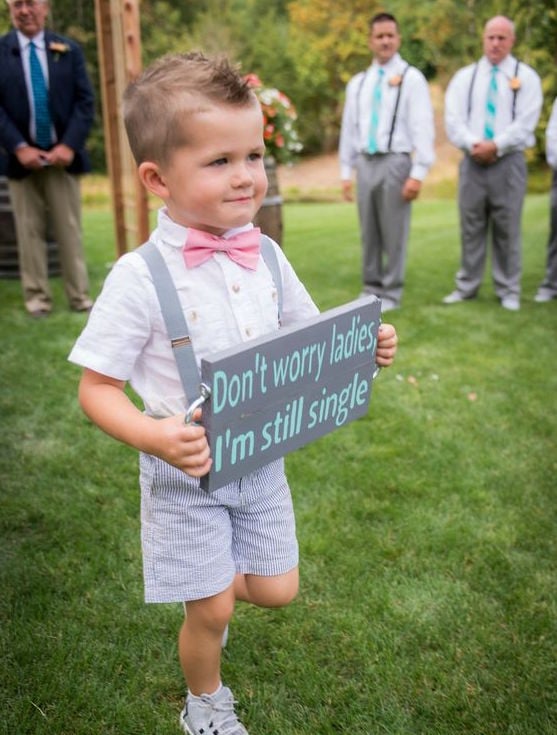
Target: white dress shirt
(551, 138)
(414, 129)
(225, 304)
(466, 127)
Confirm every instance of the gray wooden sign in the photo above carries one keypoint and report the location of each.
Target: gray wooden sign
(285, 390)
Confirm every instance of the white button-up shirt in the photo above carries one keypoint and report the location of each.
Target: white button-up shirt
(224, 305)
(414, 129)
(468, 89)
(551, 138)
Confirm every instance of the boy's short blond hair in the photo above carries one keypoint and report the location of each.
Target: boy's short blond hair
(158, 103)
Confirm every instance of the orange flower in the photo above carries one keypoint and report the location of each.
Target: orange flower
(514, 84)
(395, 81)
(58, 47)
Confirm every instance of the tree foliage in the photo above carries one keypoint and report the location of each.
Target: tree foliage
(310, 48)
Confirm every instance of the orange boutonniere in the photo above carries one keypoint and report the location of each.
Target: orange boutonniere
(514, 84)
(57, 48)
(395, 81)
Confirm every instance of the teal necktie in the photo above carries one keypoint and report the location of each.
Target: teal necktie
(491, 105)
(375, 107)
(40, 97)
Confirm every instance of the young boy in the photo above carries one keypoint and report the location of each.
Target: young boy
(196, 132)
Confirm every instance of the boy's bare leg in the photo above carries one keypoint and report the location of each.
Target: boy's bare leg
(199, 642)
(200, 639)
(267, 591)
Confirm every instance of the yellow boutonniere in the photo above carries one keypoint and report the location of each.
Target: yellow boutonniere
(58, 48)
(514, 84)
(395, 81)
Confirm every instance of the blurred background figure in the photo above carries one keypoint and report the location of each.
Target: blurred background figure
(46, 113)
(548, 289)
(387, 136)
(492, 108)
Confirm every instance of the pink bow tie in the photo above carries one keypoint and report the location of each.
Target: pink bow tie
(242, 248)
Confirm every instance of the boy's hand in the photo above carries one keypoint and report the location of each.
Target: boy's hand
(387, 341)
(183, 445)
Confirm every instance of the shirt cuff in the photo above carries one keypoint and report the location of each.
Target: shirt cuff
(346, 173)
(418, 171)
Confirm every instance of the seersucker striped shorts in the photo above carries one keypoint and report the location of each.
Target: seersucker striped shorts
(194, 543)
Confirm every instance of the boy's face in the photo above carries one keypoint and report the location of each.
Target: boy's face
(217, 181)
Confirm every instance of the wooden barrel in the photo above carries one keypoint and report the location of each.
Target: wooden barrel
(9, 261)
(269, 217)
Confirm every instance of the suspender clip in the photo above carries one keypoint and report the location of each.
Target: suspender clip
(180, 342)
(205, 394)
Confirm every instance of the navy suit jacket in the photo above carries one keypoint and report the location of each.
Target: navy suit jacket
(71, 100)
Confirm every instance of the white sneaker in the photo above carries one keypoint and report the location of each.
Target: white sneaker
(454, 298)
(511, 303)
(543, 296)
(211, 715)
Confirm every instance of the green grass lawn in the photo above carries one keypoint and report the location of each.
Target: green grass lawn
(427, 529)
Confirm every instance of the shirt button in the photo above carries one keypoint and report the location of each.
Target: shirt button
(236, 288)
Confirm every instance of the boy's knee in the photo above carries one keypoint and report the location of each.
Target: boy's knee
(212, 612)
(273, 591)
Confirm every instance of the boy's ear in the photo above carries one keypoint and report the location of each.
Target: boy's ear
(152, 179)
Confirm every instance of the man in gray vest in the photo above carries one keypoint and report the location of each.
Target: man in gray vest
(491, 111)
(387, 136)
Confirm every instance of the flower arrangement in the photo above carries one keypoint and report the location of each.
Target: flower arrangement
(279, 117)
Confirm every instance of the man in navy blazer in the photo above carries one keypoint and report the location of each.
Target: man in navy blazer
(43, 178)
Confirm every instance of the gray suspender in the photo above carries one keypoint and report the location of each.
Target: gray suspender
(271, 261)
(174, 318)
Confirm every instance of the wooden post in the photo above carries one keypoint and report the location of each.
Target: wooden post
(133, 70)
(119, 46)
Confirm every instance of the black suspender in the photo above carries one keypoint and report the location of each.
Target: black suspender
(395, 111)
(397, 103)
(515, 91)
(471, 89)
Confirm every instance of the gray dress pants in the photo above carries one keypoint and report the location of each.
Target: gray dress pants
(384, 222)
(550, 281)
(57, 191)
(490, 201)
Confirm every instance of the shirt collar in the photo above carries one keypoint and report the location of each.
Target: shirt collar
(391, 67)
(507, 66)
(175, 235)
(24, 41)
